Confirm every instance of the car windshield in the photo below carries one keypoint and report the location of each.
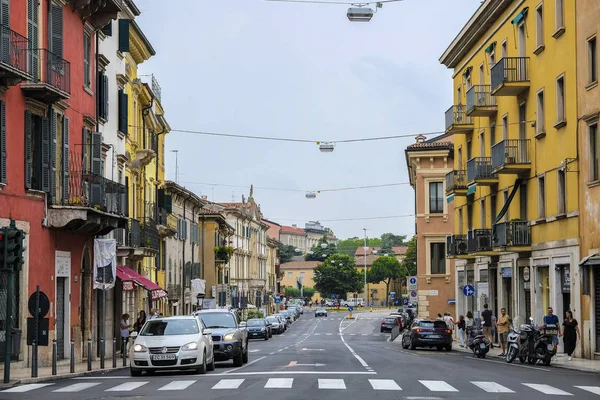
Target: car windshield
(170, 327)
(272, 319)
(256, 322)
(218, 320)
(320, 309)
(389, 319)
(433, 324)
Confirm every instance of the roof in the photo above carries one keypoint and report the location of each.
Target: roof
(299, 265)
(175, 188)
(431, 146)
(291, 229)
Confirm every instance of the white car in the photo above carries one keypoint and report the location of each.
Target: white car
(181, 342)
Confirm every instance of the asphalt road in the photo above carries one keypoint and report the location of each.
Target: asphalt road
(333, 358)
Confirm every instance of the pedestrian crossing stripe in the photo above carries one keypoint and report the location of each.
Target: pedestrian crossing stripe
(287, 383)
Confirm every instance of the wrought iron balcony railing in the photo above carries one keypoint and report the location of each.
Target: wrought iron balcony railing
(149, 235)
(174, 291)
(47, 67)
(510, 151)
(480, 96)
(15, 52)
(479, 240)
(456, 245)
(455, 180)
(510, 70)
(512, 233)
(457, 115)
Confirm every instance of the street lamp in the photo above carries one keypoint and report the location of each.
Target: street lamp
(311, 195)
(326, 147)
(365, 259)
(356, 14)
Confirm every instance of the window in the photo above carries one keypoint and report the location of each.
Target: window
(493, 210)
(505, 201)
(33, 36)
(290, 275)
(562, 187)
(594, 156)
(87, 51)
(560, 100)
(593, 60)
(483, 215)
(539, 12)
(470, 216)
(505, 127)
(559, 21)
(458, 96)
(102, 96)
(123, 35)
(492, 60)
(540, 126)
(438, 258)
(436, 197)
(482, 144)
(481, 75)
(541, 197)
(460, 221)
(504, 49)
(469, 150)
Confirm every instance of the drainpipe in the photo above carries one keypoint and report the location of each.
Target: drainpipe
(203, 265)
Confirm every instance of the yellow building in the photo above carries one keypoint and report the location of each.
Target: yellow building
(514, 188)
(272, 269)
(294, 271)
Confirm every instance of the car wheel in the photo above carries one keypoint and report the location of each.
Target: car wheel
(211, 366)
(245, 355)
(404, 345)
(202, 369)
(412, 345)
(449, 347)
(135, 372)
(381, 330)
(238, 360)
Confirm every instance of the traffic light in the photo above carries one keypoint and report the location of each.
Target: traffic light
(11, 248)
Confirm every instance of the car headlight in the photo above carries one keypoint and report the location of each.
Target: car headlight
(228, 337)
(190, 346)
(140, 348)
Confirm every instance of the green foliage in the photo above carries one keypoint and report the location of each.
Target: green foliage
(254, 314)
(349, 246)
(307, 292)
(317, 253)
(286, 252)
(291, 291)
(391, 240)
(337, 275)
(386, 269)
(410, 259)
(223, 253)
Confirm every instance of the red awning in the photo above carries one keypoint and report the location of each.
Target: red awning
(127, 274)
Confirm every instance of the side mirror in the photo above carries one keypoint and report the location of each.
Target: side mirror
(133, 335)
(243, 324)
(207, 332)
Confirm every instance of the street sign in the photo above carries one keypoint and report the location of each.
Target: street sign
(350, 309)
(413, 293)
(277, 299)
(468, 290)
(405, 302)
(412, 283)
(333, 296)
(372, 304)
(44, 305)
(392, 295)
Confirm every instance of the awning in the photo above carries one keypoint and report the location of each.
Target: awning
(471, 189)
(520, 16)
(128, 284)
(490, 48)
(450, 199)
(155, 290)
(592, 260)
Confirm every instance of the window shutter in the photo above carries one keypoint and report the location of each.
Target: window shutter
(107, 29)
(160, 198)
(96, 189)
(32, 33)
(123, 35)
(99, 94)
(28, 150)
(5, 21)
(65, 158)
(53, 127)
(104, 84)
(56, 29)
(123, 108)
(85, 151)
(168, 204)
(2, 142)
(45, 155)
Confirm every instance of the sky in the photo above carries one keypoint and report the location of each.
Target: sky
(302, 71)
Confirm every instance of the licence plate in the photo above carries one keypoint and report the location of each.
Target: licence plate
(482, 345)
(434, 337)
(164, 357)
(550, 347)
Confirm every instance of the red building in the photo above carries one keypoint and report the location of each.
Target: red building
(51, 168)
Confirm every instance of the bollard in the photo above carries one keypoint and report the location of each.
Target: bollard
(89, 354)
(54, 355)
(34, 361)
(101, 353)
(114, 352)
(124, 351)
(72, 356)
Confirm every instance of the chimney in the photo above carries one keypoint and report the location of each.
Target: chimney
(294, 226)
(421, 138)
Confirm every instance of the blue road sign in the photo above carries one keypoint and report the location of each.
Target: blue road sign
(350, 309)
(392, 295)
(468, 290)
(277, 299)
(405, 302)
(413, 293)
(372, 304)
(412, 281)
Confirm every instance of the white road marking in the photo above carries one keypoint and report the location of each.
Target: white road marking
(591, 389)
(76, 387)
(177, 385)
(290, 372)
(384, 384)
(438, 386)
(228, 384)
(250, 363)
(365, 334)
(279, 383)
(329, 334)
(332, 384)
(26, 388)
(353, 334)
(254, 350)
(126, 387)
(317, 334)
(547, 389)
(492, 387)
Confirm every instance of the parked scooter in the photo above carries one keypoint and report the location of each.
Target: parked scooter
(518, 342)
(532, 343)
(476, 340)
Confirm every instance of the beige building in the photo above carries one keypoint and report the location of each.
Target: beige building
(305, 238)
(299, 270)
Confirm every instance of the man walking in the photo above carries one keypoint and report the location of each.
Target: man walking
(503, 324)
(487, 323)
(552, 319)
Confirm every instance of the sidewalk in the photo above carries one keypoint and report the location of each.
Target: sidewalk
(23, 375)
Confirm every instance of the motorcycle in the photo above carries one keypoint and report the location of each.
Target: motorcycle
(476, 340)
(518, 342)
(543, 349)
(532, 343)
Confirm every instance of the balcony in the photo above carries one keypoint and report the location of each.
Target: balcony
(150, 237)
(479, 240)
(511, 156)
(50, 77)
(479, 171)
(167, 224)
(457, 120)
(480, 102)
(174, 291)
(510, 76)
(513, 234)
(98, 12)
(14, 57)
(456, 245)
(456, 182)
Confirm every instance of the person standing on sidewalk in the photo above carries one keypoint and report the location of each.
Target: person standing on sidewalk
(469, 319)
(125, 331)
(461, 325)
(487, 324)
(140, 321)
(570, 332)
(551, 319)
(503, 324)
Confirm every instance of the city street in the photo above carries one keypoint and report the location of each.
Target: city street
(333, 358)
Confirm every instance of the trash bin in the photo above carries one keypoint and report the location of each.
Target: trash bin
(16, 341)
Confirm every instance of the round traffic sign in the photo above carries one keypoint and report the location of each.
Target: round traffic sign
(350, 309)
(468, 290)
(412, 280)
(413, 293)
(44, 305)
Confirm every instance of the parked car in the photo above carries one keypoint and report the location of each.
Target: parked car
(320, 311)
(230, 337)
(276, 324)
(390, 322)
(182, 342)
(428, 333)
(258, 328)
(282, 317)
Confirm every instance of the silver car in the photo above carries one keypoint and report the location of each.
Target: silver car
(181, 342)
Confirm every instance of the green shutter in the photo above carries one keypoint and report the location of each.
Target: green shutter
(99, 94)
(160, 198)
(32, 33)
(168, 204)
(45, 156)
(123, 108)
(53, 128)
(5, 37)
(96, 150)
(104, 84)
(107, 29)
(85, 151)
(28, 150)
(123, 35)
(2, 142)
(65, 163)
(56, 31)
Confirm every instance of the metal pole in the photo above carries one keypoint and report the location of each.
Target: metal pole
(102, 340)
(365, 260)
(89, 366)
(72, 356)
(101, 353)
(114, 352)
(36, 315)
(54, 350)
(34, 361)
(124, 352)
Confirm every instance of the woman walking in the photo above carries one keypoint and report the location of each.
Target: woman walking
(461, 329)
(570, 333)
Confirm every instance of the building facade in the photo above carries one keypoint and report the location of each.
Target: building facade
(437, 281)
(514, 187)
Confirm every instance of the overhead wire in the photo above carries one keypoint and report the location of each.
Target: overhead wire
(299, 190)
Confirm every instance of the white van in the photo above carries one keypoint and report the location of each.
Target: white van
(356, 302)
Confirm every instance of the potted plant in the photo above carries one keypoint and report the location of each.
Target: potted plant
(223, 253)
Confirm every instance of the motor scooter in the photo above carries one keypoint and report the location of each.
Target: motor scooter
(476, 340)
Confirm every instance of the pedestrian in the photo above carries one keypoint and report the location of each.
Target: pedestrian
(469, 319)
(503, 324)
(570, 332)
(439, 317)
(487, 323)
(141, 320)
(462, 325)
(551, 319)
(153, 314)
(125, 331)
(449, 322)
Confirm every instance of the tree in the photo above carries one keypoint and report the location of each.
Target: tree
(389, 240)
(337, 275)
(286, 252)
(329, 231)
(386, 269)
(318, 253)
(307, 292)
(410, 258)
(291, 291)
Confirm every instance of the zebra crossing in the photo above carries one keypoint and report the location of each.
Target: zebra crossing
(435, 386)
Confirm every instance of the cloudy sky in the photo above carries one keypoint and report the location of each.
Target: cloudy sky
(302, 71)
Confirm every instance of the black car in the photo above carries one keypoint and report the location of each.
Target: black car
(388, 323)
(230, 338)
(428, 333)
(258, 328)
